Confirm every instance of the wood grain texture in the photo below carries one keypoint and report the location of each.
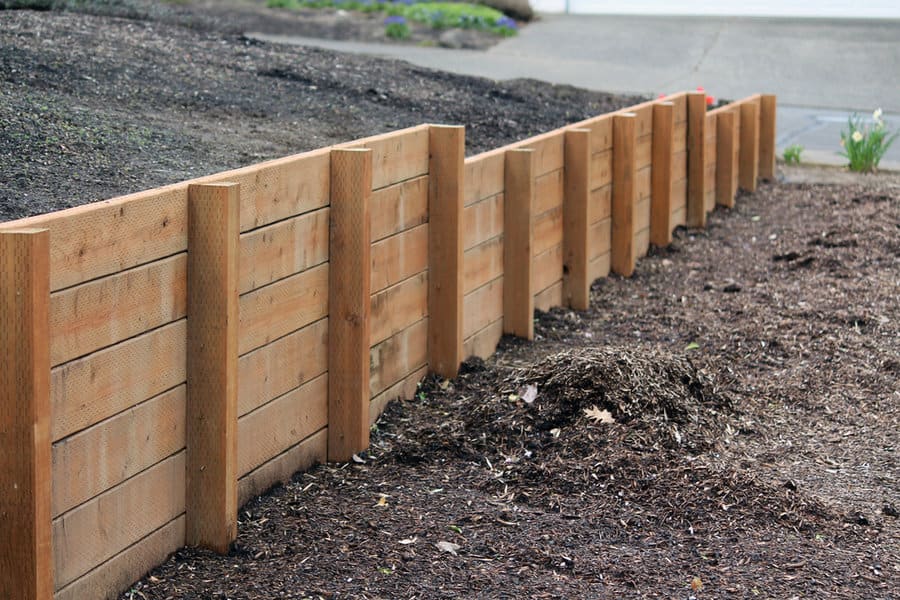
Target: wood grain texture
(349, 302)
(399, 207)
(767, 129)
(548, 268)
(601, 168)
(696, 160)
(483, 263)
(405, 389)
(483, 221)
(600, 204)
(624, 194)
(748, 171)
(601, 133)
(548, 298)
(709, 171)
(445, 248)
(483, 306)
(311, 451)
(484, 342)
(726, 165)
(25, 471)
(518, 258)
(396, 156)
(398, 356)
(548, 230)
(600, 239)
(549, 190)
(399, 257)
(661, 175)
(399, 306)
(212, 366)
(483, 176)
(576, 219)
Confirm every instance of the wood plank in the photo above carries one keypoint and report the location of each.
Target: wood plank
(599, 266)
(25, 493)
(601, 134)
(679, 137)
(576, 219)
(96, 459)
(643, 151)
(446, 281)
(483, 343)
(548, 230)
(643, 118)
(399, 257)
(767, 128)
(726, 163)
(600, 238)
(349, 299)
(711, 151)
(483, 221)
(661, 174)
(548, 298)
(679, 103)
(548, 191)
(643, 183)
(518, 290)
(108, 524)
(679, 216)
(396, 156)
(696, 186)
(281, 424)
(271, 253)
(483, 177)
(679, 166)
(749, 158)
(103, 312)
(282, 366)
(600, 204)
(642, 216)
(275, 310)
(399, 306)
(642, 240)
(483, 306)
(88, 390)
(311, 451)
(624, 194)
(483, 263)
(710, 175)
(601, 168)
(399, 207)
(116, 575)
(548, 268)
(405, 389)
(549, 152)
(397, 357)
(212, 361)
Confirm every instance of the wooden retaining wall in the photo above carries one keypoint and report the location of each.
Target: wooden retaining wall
(171, 354)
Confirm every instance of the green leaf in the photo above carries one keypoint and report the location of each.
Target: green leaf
(692, 346)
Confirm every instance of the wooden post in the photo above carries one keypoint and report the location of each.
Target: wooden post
(349, 303)
(767, 123)
(661, 174)
(26, 567)
(749, 168)
(624, 193)
(726, 134)
(447, 154)
(518, 244)
(212, 362)
(576, 279)
(696, 184)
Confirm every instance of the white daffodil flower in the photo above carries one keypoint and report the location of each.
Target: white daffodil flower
(877, 114)
(857, 136)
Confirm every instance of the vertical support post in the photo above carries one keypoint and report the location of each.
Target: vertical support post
(212, 362)
(767, 122)
(446, 163)
(26, 568)
(726, 138)
(661, 174)
(749, 167)
(576, 202)
(624, 193)
(518, 244)
(349, 303)
(696, 184)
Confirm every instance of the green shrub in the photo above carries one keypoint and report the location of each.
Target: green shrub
(863, 146)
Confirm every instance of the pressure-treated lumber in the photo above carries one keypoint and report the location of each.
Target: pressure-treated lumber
(212, 364)
(726, 165)
(576, 208)
(445, 248)
(349, 302)
(661, 174)
(25, 558)
(696, 159)
(749, 161)
(767, 126)
(624, 194)
(518, 258)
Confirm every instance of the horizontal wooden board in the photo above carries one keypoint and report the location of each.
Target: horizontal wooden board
(679, 137)
(548, 191)
(599, 266)
(115, 575)
(548, 298)
(105, 455)
(643, 121)
(397, 307)
(482, 220)
(641, 242)
(396, 156)
(88, 390)
(482, 263)
(679, 216)
(643, 183)
(601, 169)
(548, 230)
(643, 151)
(642, 214)
(399, 257)
(281, 424)
(105, 311)
(600, 238)
(548, 268)
(275, 310)
(679, 106)
(483, 343)
(311, 451)
(398, 356)
(277, 251)
(601, 134)
(405, 389)
(549, 151)
(108, 524)
(600, 206)
(281, 366)
(483, 306)
(483, 176)
(679, 166)
(399, 207)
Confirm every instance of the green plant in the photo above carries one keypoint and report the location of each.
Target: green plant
(865, 146)
(395, 27)
(792, 154)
